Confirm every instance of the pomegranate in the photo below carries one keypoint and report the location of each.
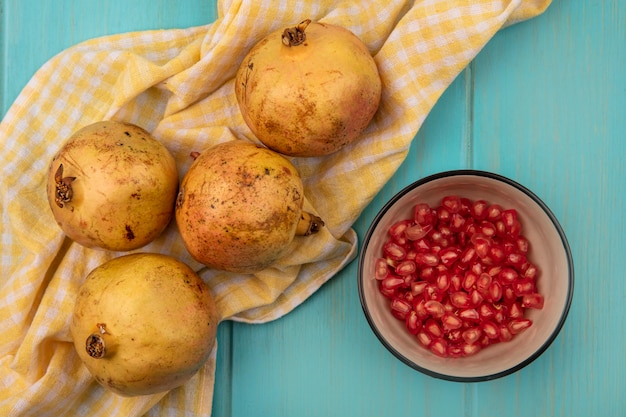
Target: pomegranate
(459, 275)
(112, 186)
(143, 323)
(240, 207)
(308, 90)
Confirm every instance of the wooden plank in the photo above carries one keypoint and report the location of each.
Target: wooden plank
(549, 100)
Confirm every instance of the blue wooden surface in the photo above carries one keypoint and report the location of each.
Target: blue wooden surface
(543, 104)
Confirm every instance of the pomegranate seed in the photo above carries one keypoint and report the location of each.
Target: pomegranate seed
(420, 310)
(470, 229)
(486, 311)
(424, 338)
(387, 293)
(406, 268)
(495, 291)
(452, 203)
(443, 215)
(481, 244)
(432, 292)
(428, 274)
(516, 311)
(455, 282)
(483, 283)
(517, 326)
(514, 230)
(476, 297)
(469, 281)
(472, 335)
(455, 335)
(381, 270)
(485, 341)
(494, 212)
(508, 275)
(394, 251)
(466, 204)
(400, 308)
(496, 254)
(423, 214)
(439, 347)
(533, 300)
(494, 270)
(443, 282)
(479, 209)
(417, 287)
(500, 228)
(397, 231)
(460, 299)
(523, 286)
(469, 314)
(432, 326)
(487, 228)
(455, 351)
(451, 321)
(502, 314)
(457, 222)
(490, 329)
(468, 256)
(448, 307)
(427, 259)
(422, 245)
(531, 272)
(522, 244)
(509, 217)
(408, 279)
(470, 349)
(392, 282)
(413, 323)
(434, 308)
(505, 333)
(449, 255)
(516, 260)
(417, 231)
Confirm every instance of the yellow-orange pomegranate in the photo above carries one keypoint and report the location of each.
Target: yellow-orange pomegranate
(112, 186)
(240, 206)
(309, 90)
(143, 323)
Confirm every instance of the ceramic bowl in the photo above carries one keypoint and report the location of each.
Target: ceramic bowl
(549, 251)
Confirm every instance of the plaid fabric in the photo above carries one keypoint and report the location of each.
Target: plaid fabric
(178, 84)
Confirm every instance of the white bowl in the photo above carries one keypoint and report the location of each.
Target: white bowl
(550, 252)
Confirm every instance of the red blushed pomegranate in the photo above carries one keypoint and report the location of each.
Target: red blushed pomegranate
(459, 275)
(308, 90)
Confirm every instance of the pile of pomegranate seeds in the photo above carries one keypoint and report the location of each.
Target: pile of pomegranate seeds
(458, 275)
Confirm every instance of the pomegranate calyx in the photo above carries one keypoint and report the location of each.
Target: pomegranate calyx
(309, 224)
(64, 191)
(295, 36)
(95, 346)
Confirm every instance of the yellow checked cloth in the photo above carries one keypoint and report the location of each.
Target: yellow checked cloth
(178, 84)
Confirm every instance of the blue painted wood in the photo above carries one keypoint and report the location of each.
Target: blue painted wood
(543, 104)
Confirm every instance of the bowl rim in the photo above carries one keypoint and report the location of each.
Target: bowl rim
(497, 177)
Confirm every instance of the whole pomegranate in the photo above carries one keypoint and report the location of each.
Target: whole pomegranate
(309, 90)
(240, 206)
(112, 186)
(143, 323)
